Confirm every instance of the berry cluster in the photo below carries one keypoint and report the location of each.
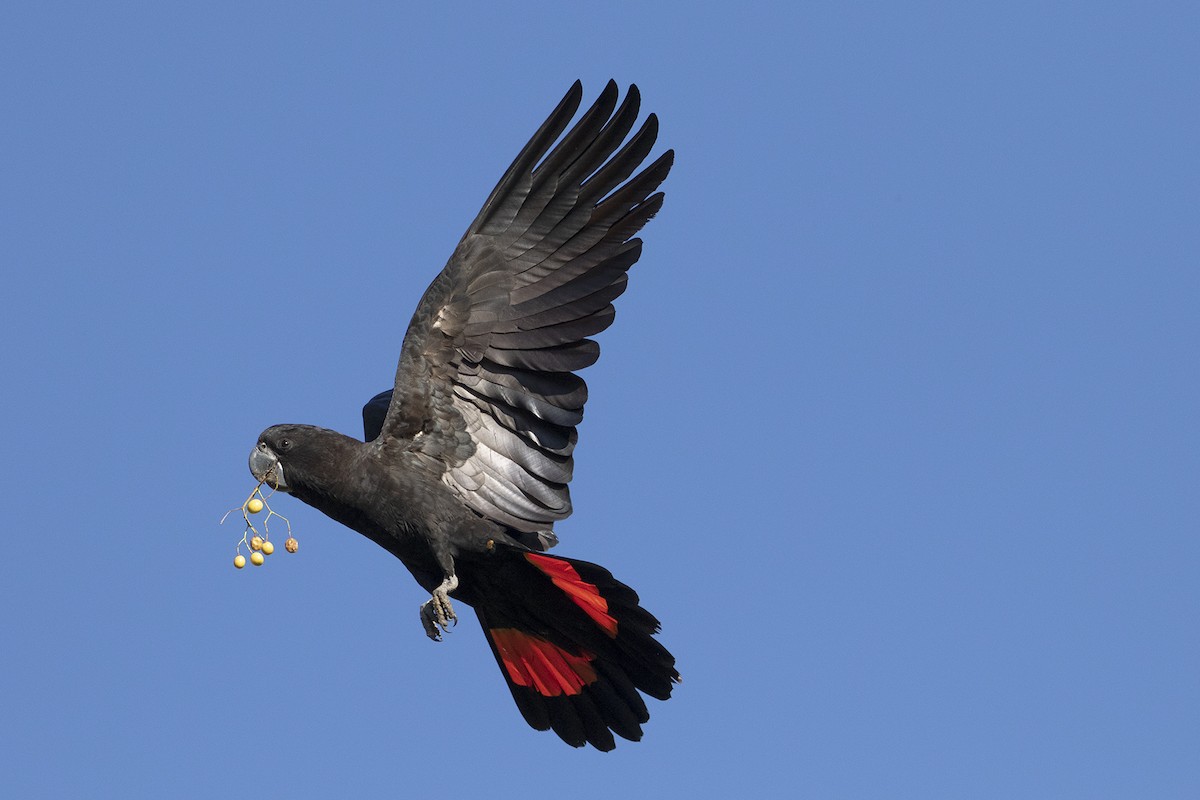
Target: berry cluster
(259, 543)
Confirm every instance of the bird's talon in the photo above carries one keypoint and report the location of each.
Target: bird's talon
(429, 621)
(437, 615)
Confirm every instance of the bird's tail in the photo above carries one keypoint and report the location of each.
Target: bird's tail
(574, 647)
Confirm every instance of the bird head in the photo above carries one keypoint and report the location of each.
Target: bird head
(276, 445)
(298, 458)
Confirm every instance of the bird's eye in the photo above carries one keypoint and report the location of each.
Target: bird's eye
(285, 444)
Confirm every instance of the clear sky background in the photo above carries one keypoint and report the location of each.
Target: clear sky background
(896, 429)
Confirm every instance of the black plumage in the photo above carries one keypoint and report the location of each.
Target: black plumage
(467, 460)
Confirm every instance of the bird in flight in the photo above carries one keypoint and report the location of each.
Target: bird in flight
(466, 461)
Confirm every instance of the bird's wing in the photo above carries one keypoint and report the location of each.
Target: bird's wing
(485, 394)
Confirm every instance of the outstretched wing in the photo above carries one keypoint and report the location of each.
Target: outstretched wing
(485, 395)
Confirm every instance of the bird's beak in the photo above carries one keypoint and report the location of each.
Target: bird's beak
(265, 467)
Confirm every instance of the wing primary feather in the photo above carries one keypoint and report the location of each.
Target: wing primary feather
(550, 183)
(529, 156)
(636, 218)
(559, 217)
(622, 165)
(581, 136)
(635, 191)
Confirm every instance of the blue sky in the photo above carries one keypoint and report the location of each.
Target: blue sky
(896, 429)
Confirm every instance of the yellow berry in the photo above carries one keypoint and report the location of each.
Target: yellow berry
(257, 559)
(291, 545)
(254, 506)
(239, 561)
(268, 548)
(256, 543)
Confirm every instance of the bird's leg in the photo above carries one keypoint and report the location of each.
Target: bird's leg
(437, 614)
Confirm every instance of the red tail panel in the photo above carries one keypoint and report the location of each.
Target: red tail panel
(584, 594)
(573, 643)
(544, 667)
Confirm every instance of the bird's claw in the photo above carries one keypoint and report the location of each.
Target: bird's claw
(437, 615)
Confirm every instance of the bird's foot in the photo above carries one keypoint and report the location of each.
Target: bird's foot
(437, 614)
